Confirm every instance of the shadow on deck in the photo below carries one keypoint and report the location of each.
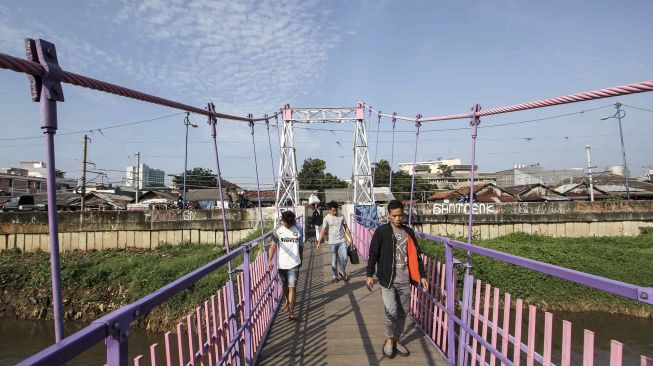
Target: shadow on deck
(338, 324)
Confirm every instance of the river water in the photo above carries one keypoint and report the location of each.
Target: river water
(22, 338)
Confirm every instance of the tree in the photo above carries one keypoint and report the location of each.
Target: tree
(312, 176)
(445, 170)
(196, 178)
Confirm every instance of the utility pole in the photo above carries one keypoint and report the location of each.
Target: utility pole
(589, 172)
(84, 174)
(138, 174)
(619, 115)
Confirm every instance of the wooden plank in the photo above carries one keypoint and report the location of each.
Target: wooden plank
(588, 348)
(616, 353)
(566, 343)
(530, 354)
(548, 329)
(519, 305)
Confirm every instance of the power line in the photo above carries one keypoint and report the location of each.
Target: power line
(641, 109)
(99, 129)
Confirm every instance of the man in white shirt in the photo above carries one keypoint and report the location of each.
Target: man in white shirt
(339, 239)
(288, 237)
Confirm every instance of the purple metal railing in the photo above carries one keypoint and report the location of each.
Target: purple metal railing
(438, 312)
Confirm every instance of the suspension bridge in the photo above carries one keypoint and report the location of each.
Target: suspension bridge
(458, 321)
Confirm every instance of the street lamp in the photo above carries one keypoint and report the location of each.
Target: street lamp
(619, 114)
(186, 123)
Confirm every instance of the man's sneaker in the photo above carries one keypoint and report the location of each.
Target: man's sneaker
(402, 350)
(389, 350)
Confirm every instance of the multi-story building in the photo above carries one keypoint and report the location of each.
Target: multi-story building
(533, 174)
(145, 177)
(456, 174)
(38, 169)
(30, 178)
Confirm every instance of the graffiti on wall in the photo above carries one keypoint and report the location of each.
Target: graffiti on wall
(464, 208)
(173, 215)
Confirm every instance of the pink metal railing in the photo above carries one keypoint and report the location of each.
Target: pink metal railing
(488, 314)
(204, 336)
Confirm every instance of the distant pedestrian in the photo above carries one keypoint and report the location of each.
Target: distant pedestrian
(395, 256)
(317, 219)
(339, 240)
(288, 237)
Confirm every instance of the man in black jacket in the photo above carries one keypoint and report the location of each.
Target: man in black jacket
(395, 256)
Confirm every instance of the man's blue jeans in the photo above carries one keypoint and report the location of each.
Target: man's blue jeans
(338, 256)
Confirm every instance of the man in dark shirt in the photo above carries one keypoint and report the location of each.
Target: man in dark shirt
(395, 257)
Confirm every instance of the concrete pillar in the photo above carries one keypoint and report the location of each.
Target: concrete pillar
(154, 239)
(131, 240)
(20, 242)
(179, 237)
(122, 239)
(83, 241)
(195, 236)
(4, 241)
(74, 240)
(594, 228)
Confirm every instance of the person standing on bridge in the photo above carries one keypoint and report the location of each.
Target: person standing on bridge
(396, 258)
(317, 219)
(288, 237)
(338, 230)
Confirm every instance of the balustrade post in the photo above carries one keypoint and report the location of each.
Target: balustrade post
(451, 310)
(463, 339)
(117, 344)
(248, 310)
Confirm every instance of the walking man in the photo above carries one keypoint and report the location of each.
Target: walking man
(395, 256)
(317, 219)
(339, 240)
(289, 238)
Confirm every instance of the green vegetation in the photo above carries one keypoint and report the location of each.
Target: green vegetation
(626, 259)
(98, 282)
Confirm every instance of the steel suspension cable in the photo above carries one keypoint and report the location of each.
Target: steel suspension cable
(258, 184)
(392, 151)
(212, 121)
(36, 69)
(376, 150)
(634, 88)
(267, 126)
(418, 124)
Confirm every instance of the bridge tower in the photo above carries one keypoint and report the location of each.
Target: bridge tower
(287, 185)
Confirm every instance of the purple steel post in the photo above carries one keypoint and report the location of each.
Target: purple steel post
(474, 124)
(47, 90)
(418, 124)
(248, 310)
(463, 339)
(392, 151)
(230, 285)
(117, 344)
(451, 310)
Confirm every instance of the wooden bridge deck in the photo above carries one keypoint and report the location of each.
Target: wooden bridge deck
(338, 324)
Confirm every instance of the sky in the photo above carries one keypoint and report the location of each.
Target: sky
(409, 57)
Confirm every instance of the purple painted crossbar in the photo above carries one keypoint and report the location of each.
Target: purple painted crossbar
(435, 312)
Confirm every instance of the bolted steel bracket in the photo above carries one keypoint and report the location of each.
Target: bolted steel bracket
(45, 53)
(645, 295)
(212, 120)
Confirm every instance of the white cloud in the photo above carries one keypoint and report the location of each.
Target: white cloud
(248, 55)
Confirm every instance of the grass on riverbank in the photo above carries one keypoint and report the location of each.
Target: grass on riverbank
(626, 259)
(95, 282)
